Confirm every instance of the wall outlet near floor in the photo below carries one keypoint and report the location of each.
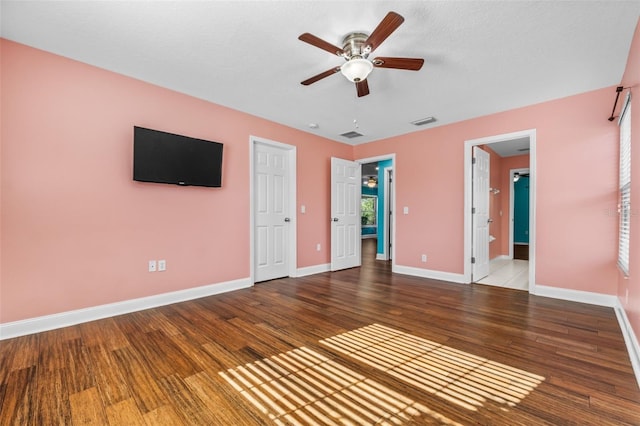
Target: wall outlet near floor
(424, 258)
(162, 265)
(318, 247)
(152, 266)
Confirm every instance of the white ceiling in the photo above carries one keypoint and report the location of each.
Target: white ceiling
(481, 57)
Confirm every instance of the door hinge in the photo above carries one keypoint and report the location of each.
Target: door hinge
(473, 160)
(473, 260)
(473, 210)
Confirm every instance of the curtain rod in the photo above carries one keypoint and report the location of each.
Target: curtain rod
(618, 90)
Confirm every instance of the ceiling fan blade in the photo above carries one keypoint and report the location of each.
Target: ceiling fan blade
(363, 88)
(320, 76)
(412, 64)
(318, 42)
(384, 29)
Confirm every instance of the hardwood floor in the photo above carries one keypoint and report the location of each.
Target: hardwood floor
(360, 346)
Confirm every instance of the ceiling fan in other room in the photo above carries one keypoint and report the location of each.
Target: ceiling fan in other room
(356, 48)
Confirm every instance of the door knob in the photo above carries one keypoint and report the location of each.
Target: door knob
(286, 219)
(489, 220)
(335, 219)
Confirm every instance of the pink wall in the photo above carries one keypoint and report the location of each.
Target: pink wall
(77, 231)
(576, 187)
(631, 78)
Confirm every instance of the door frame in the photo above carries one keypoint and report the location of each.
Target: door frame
(394, 167)
(512, 193)
(293, 237)
(468, 189)
(388, 202)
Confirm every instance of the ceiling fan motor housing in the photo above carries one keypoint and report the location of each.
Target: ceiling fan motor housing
(354, 46)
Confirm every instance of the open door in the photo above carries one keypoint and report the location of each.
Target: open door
(345, 214)
(480, 214)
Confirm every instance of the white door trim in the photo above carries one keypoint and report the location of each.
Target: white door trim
(512, 172)
(388, 175)
(468, 144)
(391, 157)
(293, 238)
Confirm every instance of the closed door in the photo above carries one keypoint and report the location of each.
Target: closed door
(480, 214)
(345, 214)
(272, 212)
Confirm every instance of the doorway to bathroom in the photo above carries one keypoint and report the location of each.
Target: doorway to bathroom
(508, 221)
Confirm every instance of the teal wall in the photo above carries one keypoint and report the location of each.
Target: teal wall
(521, 210)
(381, 166)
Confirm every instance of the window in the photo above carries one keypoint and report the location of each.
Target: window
(624, 205)
(368, 209)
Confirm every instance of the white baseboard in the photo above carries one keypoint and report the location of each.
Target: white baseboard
(368, 236)
(630, 339)
(315, 269)
(381, 256)
(502, 257)
(427, 273)
(575, 295)
(65, 319)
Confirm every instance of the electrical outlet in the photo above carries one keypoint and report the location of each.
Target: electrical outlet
(626, 297)
(152, 266)
(318, 247)
(424, 258)
(162, 265)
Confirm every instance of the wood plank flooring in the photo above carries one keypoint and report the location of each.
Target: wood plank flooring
(360, 346)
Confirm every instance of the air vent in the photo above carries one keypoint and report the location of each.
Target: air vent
(423, 121)
(351, 135)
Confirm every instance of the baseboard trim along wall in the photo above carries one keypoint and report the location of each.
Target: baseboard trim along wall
(629, 339)
(65, 319)
(576, 295)
(315, 269)
(381, 256)
(428, 273)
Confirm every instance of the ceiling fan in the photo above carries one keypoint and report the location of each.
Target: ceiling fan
(356, 48)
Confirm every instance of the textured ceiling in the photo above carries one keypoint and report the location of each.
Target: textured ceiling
(480, 57)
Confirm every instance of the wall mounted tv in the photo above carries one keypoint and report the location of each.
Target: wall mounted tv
(162, 157)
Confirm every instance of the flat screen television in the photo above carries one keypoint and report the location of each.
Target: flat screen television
(163, 157)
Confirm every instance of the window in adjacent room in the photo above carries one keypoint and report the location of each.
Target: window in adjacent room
(369, 210)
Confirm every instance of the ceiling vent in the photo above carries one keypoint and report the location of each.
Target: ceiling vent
(351, 135)
(423, 121)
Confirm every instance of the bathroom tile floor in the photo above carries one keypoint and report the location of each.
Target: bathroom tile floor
(509, 273)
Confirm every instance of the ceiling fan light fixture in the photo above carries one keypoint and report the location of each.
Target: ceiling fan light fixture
(356, 69)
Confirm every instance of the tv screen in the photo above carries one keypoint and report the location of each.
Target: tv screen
(162, 157)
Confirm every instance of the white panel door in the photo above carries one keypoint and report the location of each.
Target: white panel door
(272, 212)
(345, 214)
(480, 214)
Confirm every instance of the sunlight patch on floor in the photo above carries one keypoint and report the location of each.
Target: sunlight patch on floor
(303, 387)
(456, 376)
